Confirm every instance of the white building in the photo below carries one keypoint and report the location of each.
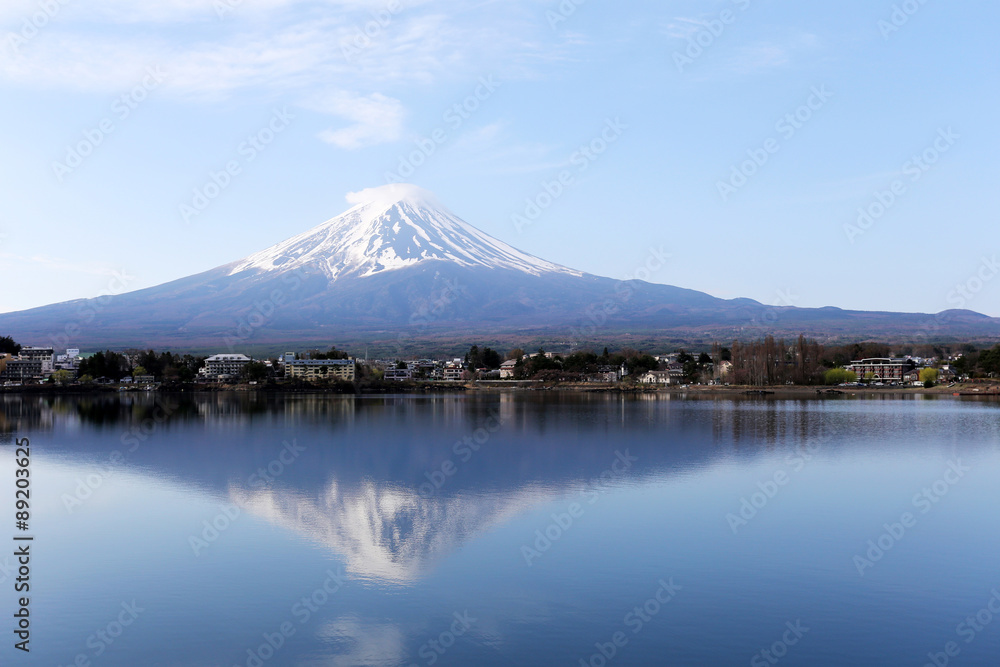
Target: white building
(656, 377)
(321, 369)
(224, 366)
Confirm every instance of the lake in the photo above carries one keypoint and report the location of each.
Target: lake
(533, 528)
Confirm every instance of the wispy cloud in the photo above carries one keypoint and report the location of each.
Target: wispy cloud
(377, 119)
(275, 48)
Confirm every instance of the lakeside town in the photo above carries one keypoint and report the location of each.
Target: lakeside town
(764, 363)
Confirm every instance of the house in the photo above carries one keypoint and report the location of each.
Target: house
(398, 374)
(881, 369)
(321, 369)
(655, 377)
(453, 372)
(507, 369)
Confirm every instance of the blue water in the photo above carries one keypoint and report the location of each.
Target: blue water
(507, 529)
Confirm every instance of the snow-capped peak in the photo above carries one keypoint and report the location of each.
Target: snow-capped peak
(393, 227)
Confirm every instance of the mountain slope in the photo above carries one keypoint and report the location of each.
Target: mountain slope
(399, 265)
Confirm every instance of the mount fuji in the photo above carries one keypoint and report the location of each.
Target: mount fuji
(399, 266)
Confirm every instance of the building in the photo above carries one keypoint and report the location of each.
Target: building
(321, 369)
(656, 377)
(398, 374)
(881, 369)
(46, 355)
(606, 374)
(18, 369)
(224, 366)
(507, 370)
(453, 372)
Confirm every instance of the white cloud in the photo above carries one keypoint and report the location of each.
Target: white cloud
(277, 49)
(377, 120)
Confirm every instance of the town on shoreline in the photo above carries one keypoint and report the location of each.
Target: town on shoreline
(764, 364)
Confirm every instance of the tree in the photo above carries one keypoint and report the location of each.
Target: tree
(105, 364)
(255, 371)
(8, 346)
(62, 376)
(334, 353)
(515, 354)
(139, 370)
(929, 376)
(840, 376)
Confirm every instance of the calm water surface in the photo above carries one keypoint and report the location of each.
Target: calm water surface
(508, 529)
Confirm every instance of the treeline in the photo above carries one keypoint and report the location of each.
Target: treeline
(164, 366)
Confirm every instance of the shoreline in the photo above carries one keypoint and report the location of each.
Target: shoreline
(958, 390)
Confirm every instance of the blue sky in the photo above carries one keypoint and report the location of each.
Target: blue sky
(741, 137)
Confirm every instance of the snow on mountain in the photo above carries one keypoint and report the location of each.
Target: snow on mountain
(393, 227)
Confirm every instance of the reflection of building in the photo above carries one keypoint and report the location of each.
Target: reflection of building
(223, 366)
(321, 369)
(881, 369)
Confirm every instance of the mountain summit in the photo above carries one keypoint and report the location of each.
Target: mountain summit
(393, 227)
(400, 269)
